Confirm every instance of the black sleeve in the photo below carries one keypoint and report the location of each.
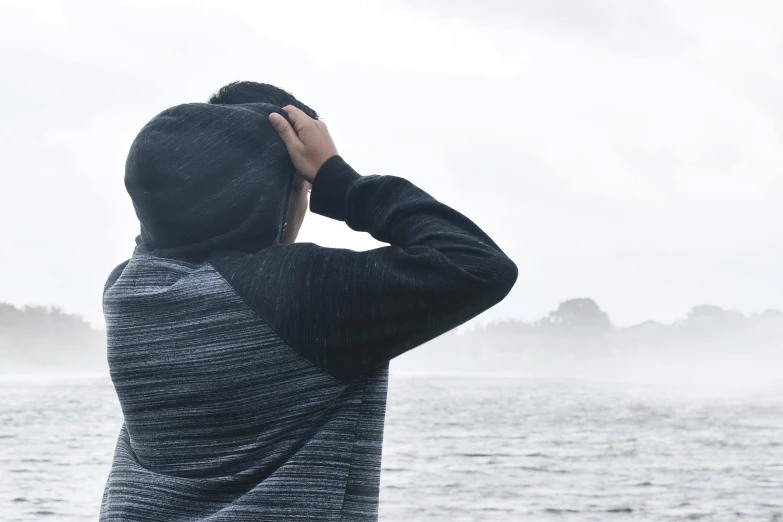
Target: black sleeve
(350, 312)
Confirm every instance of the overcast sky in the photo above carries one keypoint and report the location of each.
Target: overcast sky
(627, 151)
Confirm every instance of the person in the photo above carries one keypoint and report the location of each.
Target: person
(252, 369)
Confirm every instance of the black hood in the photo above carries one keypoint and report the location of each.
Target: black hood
(207, 177)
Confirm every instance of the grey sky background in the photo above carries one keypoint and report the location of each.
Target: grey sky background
(627, 151)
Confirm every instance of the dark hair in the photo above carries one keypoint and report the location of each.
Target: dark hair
(254, 92)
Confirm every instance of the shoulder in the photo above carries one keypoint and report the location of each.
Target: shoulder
(275, 257)
(114, 275)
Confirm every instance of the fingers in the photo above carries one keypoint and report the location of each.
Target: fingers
(298, 117)
(285, 131)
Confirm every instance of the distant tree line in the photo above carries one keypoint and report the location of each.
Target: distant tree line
(34, 338)
(39, 320)
(40, 338)
(582, 317)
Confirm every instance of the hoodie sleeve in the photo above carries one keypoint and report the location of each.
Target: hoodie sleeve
(351, 312)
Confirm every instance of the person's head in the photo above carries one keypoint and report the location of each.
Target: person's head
(253, 92)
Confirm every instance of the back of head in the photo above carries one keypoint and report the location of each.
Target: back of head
(253, 92)
(208, 176)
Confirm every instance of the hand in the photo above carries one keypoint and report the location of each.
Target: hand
(308, 142)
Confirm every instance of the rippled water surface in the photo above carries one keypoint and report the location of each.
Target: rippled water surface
(472, 449)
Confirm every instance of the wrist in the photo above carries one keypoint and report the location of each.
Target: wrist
(330, 186)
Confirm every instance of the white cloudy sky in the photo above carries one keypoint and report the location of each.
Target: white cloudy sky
(627, 151)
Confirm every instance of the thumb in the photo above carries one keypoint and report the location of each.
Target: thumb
(285, 131)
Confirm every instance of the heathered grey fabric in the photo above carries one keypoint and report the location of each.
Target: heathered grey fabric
(252, 375)
(223, 421)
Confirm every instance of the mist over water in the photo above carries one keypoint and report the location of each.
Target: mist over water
(703, 357)
(566, 418)
(711, 350)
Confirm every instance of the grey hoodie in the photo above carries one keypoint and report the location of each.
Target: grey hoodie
(252, 375)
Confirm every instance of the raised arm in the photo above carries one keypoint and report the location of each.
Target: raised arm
(350, 312)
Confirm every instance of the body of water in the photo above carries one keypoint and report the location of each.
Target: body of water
(462, 449)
